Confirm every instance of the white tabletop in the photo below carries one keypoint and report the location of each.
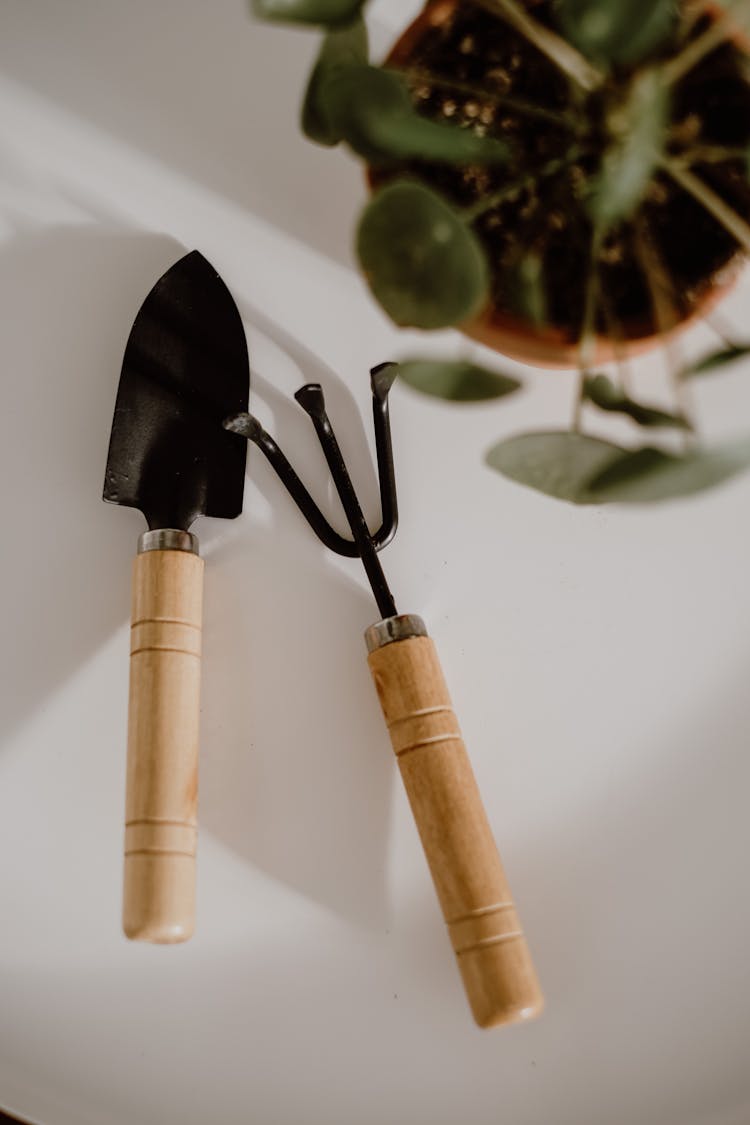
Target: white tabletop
(598, 659)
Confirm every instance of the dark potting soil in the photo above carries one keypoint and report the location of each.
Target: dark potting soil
(686, 248)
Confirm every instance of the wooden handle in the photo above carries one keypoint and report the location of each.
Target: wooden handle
(163, 720)
(484, 928)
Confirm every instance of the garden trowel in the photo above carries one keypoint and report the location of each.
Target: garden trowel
(185, 369)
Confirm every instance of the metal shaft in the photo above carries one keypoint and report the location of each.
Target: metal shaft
(312, 401)
(381, 380)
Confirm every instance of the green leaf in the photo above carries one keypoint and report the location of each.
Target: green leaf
(341, 47)
(325, 13)
(602, 392)
(639, 128)
(558, 463)
(424, 265)
(716, 360)
(526, 289)
(618, 32)
(458, 381)
(648, 475)
(371, 110)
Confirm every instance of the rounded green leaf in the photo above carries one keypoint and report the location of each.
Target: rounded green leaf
(647, 475)
(526, 288)
(326, 13)
(586, 470)
(717, 360)
(371, 110)
(456, 380)
(617, 31)
(341, 47)
(640, 127)
(557, 463)
(424, 265)
(602, 392)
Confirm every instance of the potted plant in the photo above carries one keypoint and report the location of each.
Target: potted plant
(567, 181)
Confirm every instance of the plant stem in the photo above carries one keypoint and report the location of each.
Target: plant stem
(714, 204)
(689, 17)
(614, 331)
(588, 335)
(413, 74)
(665, 314)
(482, 206)
(714, 35)
(712, 154)
(551, 168)
(577, 424)
(566, 57)
(622, 359)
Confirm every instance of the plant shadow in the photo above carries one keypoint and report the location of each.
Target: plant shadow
(296, 770)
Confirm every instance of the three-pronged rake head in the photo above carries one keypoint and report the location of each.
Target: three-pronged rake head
(363, 543)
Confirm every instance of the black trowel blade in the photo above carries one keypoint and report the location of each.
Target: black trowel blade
(185, 369)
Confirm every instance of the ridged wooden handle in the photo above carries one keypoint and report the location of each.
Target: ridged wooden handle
(484, 928)
(163, 721)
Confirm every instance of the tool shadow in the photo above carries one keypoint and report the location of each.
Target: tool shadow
(296, 770)
(68, 296)
(296, 773)
(292, 364)
(630, 903)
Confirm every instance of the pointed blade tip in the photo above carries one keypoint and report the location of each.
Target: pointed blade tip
(194, 271)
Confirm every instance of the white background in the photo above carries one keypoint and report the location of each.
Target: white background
(598, 660)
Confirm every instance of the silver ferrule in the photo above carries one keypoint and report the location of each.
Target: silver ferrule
(168, 539)
(391, 629)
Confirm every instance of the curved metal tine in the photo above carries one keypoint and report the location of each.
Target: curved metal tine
(382, 378)
(312, 400)
(247, 426)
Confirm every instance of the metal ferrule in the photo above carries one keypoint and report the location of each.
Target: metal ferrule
(168, 539)
(391, 629)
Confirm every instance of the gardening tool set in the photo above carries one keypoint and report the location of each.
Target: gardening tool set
(177, 451)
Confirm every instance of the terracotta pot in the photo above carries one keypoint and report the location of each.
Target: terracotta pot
(739, 35)
(503, 331)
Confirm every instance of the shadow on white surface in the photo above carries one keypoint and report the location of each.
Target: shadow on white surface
(296, 766)
(206, 89)
(293, 430)
(296, 770)
(68, 297)
(635, 922)
(637, 930)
